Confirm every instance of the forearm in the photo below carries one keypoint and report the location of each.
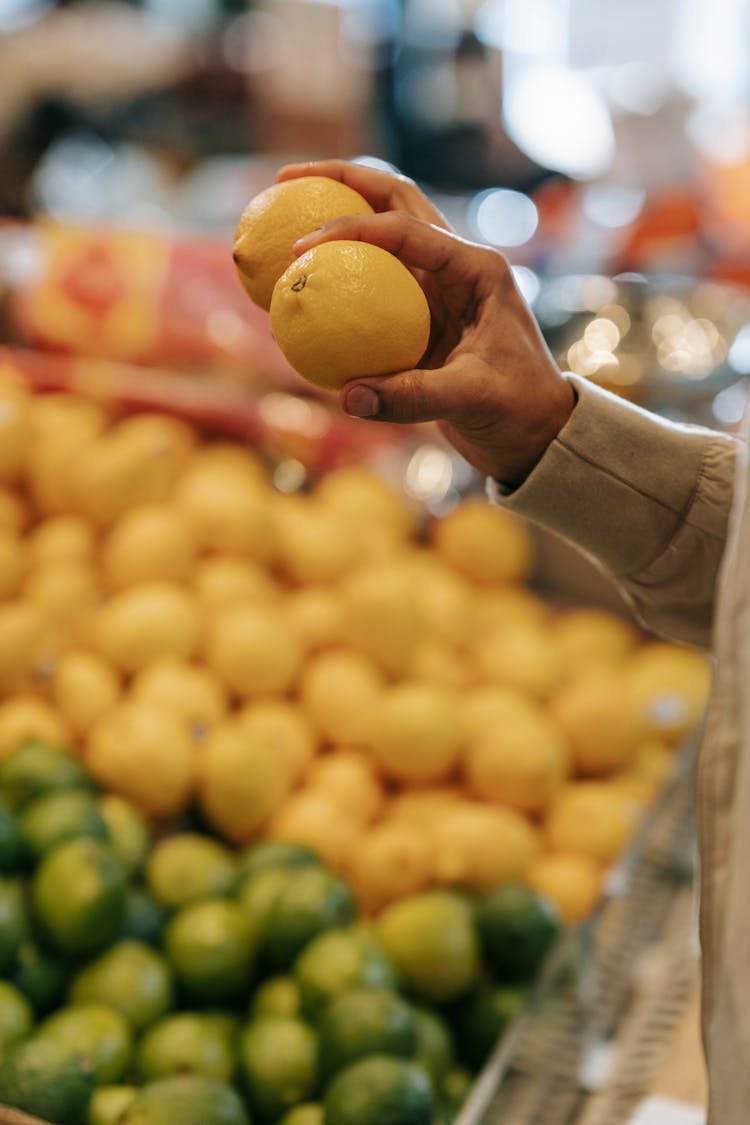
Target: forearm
(647, 499)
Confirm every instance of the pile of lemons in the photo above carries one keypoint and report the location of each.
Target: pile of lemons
(321, 668)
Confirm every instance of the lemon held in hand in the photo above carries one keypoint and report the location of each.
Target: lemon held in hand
(347, 309)
(275, 218)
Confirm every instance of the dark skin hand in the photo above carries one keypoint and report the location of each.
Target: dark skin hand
(487, 377)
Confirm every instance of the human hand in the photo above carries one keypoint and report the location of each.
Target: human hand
(487, 376)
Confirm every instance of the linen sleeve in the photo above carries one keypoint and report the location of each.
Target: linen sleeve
(647, 499)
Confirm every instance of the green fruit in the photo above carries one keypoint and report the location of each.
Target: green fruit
(379, 1090)
(278, 1064)
(61, 815)
(128, 830)
(312, 901)
(130, 977)
(40, 975)
(517, 928)
(264, 854)
(365, 1021)
(188, 866)
(39, 1078)
(78, 896)
(211, 949)
(13, 921)
(339, 959)
(12, 851)
(482, 1017)
(185, 1099)
(276, 996)
(98, 1033)
(455, 1086)
(16, 1016)
(188, 1043)
(435, 1049)
(108, 1104)
(144, 919)
(306, 1113)
(257, 892)
(34, 769)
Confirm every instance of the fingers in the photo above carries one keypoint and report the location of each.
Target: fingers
(410, 396)
(384, 191)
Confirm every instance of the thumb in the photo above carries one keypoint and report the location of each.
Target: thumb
(417, 395)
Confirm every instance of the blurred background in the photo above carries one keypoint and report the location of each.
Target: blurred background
(604, 147)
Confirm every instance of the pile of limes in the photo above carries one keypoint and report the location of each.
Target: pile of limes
(161, 979)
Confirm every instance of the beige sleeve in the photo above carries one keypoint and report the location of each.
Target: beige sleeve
(647, 499)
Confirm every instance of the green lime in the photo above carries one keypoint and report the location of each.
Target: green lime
(185, 1099)
(435, 1050)
(34, 769)
(144, 918)
(97, 1032)
(40, 975)
(38, 1077)
(277, 996)
(188, 866)
(13, 921)
(16, 1016)
(131, 977)
(262, 854)
(313, 900)
(377, 1090)
(455, 1086)
(60, 815)
(12, 851)
(108, 1104)
(482, 1017)
(365, 1021)
(128, 830)
(339, 959)
(278, 1058)
(78, 896)
(517, 928)
(211, 948)
(188, 1043)
(306, 1113)
(257, 892)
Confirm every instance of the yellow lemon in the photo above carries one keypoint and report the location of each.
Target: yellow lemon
(12, 562)
(316, 613)
(14, 514)
(365, 499)
(481, 846)
(286, 729)
(592, 818)
(601, 722)
(84, 687)
(424, 805)
(61, 539)
(497, 608)
(191, 691)
(349, 779)
(64, 428)
(338, 689)
(143, 753)
(145, 622)
(273, 221)
(648, 771)
(592, 637)
(522, 763)
(346, 309)
(572, 882)
(148, 543)
(669, 684)
(241, 781)
(437, 662)
(382, 615)
(416, 732)
(390, 861)
(221, 580)
(446, 600)
(227, 503)
(15, 429)
(21, 640)
(26, 718)
(487, 706)
(519, 656)
(483, 543)
(63, 591)
(313, 819)
(254, 650)
(313, 544)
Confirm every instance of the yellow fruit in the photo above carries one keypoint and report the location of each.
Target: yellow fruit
(273, 221)
(648, 771)
(317, 615)
(520, 656)
(227, 504)
(592, 818)
(149, 543)
(390, 861)
(313, 819)
(424, 806)
(483, 543)
(146, 622)
(669, 685)
(12, 562)
(221, 580)
(437, 662)
(84, 687)
(522, 763)
(189, 691)
(14, 514)
(348, 778)
(480, 846)
(573, 883)
(241, 781)
(346, 309)
(21, 639)
(603, 727)
(64, 429)
(254, 650)
(286, 729)
(592, 637)
(338, 690)
(382, 616)
(313, 544)
(61, 539)
(446, 600)
(499, 608)
(365, 499)
(63, 591)
(143, 753)
(416, 732)
(26, 718)
(15, 429)
(491, 705)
